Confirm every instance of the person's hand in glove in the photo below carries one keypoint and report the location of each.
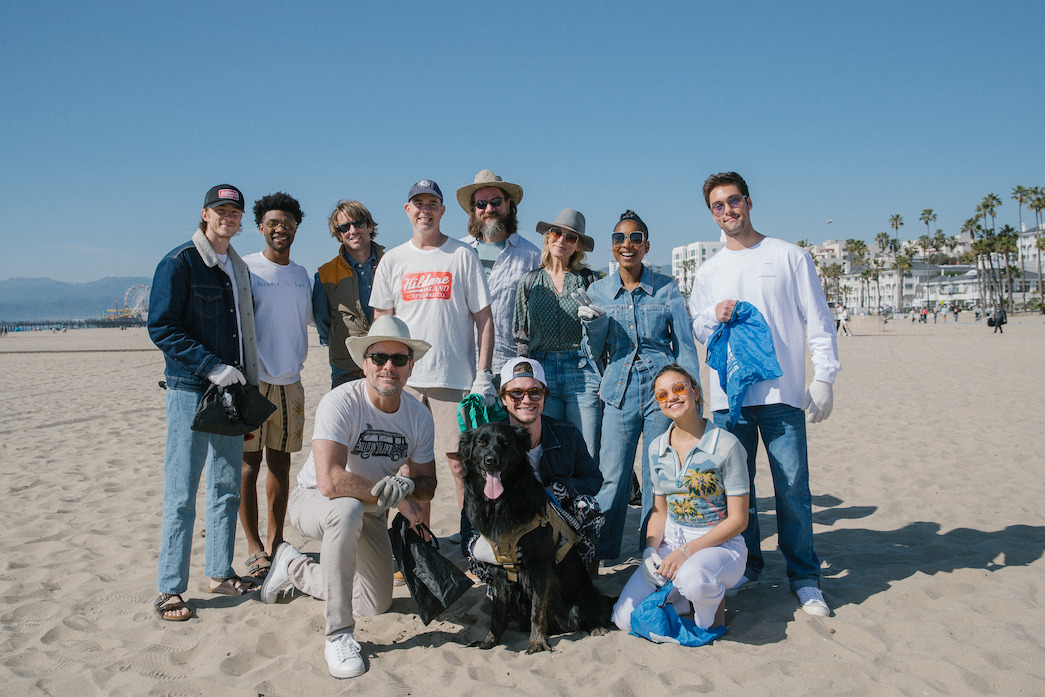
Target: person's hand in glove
(650, 563)
(391, 490)
(224, 375)
(483, 385)
(587, 309)
(820, 400)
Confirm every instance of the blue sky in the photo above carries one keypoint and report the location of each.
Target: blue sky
(116, 117)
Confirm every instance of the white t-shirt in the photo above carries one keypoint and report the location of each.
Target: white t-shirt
(282, 310)
(779, 279)
(378, 443)
(435, 291)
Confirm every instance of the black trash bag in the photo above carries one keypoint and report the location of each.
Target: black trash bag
(434, 582)
(235, 410)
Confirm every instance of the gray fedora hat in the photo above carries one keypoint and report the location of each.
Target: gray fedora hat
(571, 220)
(385, 328)
(482, 180)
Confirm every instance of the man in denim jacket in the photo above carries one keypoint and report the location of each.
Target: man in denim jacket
(201, 316)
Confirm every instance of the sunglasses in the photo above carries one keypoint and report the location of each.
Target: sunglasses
(570, 237)
(718, 208)
(679, 388)
(289, 225)
(636, 237)
(345, 227)
(495, 202)
(536, 394)
(398, 359)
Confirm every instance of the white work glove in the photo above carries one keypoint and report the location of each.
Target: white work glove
(588, 310)
(820, 399)
(483, 385)
(650, 563)
(224, 375)
(391, 490)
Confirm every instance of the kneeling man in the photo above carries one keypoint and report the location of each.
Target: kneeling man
(372, 450)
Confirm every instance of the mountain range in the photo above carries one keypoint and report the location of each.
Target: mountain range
(41, 299)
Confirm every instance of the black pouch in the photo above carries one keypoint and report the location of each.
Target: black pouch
(235, 410)
(434, 582)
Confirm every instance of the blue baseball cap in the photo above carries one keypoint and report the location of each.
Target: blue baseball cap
(425, 186)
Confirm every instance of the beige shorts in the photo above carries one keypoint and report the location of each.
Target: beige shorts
(283, 430)
(442, 402)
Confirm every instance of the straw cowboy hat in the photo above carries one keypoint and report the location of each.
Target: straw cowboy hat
(482, 180)
(385, 328)
(570, 219)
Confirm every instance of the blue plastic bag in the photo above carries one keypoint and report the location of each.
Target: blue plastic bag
(741, 352)
(655, 619)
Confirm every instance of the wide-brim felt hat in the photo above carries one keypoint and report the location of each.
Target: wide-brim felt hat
(482, 180)
(570, 220)
(385, 328)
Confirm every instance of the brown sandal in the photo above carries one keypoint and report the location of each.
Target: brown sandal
(171, 602)
(234, 585)
(259, 564)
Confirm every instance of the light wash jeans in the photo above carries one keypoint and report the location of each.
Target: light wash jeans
(573, 384)
(783, 430)
(187, 453)
(637, 415)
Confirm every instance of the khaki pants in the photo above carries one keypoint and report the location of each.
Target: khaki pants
(354, 572)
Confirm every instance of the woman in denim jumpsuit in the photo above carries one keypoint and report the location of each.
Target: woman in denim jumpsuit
(645, 327)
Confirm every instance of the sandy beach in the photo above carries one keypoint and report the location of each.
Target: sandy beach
(928, 486)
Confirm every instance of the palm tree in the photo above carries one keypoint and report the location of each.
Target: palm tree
(881, 241)
(1037, 204)
(1007, 243)
(901, 264)
(804, 244)
(989, 205)
(1020, 194)
(896, 222)
(857, 250)
(877, 267)
(833, 272)
(927, 217)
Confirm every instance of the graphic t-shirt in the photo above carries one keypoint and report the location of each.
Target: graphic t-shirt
(282, 309)
(378, 443)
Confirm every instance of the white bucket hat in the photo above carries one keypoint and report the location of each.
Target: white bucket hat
(385, 328)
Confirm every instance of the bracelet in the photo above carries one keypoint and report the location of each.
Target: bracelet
(685, 551)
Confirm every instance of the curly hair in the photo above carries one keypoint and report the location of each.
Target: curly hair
(278, 201)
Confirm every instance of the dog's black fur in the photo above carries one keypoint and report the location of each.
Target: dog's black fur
(553, 598)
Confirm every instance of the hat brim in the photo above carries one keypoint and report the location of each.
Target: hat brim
(587, 243)
(357, 346)
(464, 194)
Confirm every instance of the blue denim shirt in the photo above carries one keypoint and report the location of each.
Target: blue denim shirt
(565, 458)
(648, 327)
(192, 315)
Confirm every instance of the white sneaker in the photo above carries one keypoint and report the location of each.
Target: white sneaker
(342, 654)
(813, 601)
(278, 581)
(744, 584)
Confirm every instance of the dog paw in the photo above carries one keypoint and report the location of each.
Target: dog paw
(538, 646)
(488, 643)
(599, 631)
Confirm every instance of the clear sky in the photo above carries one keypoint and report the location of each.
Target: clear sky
(116, 117)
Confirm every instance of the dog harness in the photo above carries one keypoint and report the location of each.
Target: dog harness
(563, 534)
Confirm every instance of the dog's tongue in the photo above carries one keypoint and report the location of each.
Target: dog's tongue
(494, 488)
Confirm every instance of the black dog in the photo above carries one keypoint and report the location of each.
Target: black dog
(503, 496)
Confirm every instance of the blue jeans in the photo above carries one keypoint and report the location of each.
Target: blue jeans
(187, 453)
(783, 430)
(637, 415)
(573, 384)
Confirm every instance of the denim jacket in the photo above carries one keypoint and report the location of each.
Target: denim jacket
(519, 256)
(192, 318)
(565, 458)
(647, 327)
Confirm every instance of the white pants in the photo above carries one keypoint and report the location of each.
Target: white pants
(701, 580)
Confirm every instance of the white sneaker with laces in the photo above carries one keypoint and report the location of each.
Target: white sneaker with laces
(813, 601)
(278, 581)
(342, 654)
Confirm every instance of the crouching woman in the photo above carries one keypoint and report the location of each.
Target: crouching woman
(700, 507)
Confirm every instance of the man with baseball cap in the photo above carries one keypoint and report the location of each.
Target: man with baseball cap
(201, 316)
(437, 286)
(371, 451)
(492, 207)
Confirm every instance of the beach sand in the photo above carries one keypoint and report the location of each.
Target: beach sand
(927, 481)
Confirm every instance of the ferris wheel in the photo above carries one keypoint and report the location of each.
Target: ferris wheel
(136, 301)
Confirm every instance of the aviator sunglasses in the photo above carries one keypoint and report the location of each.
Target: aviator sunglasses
(287, 224)
(679, 388)
(398, 359)
(718, 208)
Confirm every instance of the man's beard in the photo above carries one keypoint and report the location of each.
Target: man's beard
(491, 228)
(479, 228)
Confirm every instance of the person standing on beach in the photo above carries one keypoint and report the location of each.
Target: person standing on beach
(201, 316)
(372, 450)
(341, 293)
(492, 207)
(282, 310)
(438, 287)
(1000, 317)
(780, 280)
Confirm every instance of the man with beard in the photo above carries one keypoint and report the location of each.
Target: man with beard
(491, 205)
(282, 308)
(372, 450)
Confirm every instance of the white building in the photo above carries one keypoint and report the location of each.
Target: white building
(686, 260)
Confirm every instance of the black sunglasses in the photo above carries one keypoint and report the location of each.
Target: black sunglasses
(345, 227)
(635, 237)
(495, 202)
(398, 359)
